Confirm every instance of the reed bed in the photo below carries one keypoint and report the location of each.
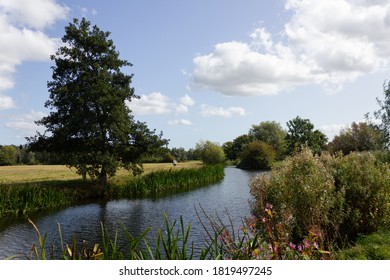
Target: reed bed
(170, 180)
(31, 198)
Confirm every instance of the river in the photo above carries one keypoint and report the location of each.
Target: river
(229, 198)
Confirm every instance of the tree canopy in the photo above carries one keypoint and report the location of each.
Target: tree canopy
(301, 132)
(90, 123)
(210, 152)
(358, 137)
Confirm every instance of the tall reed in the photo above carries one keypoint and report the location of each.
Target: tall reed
(171, 243)
(168, 180)
(31, 198)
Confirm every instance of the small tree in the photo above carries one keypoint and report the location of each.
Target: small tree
(210, 153)
(90, 124)
(272, 133)
(301, 133)
(8, 155)
(257, 156)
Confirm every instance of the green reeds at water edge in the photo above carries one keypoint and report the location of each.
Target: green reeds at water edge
(28, 199)
(171, 243)
(171, 180)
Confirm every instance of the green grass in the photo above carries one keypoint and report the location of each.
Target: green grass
(375, 246)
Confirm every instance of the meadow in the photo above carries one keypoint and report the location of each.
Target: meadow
(39, 173)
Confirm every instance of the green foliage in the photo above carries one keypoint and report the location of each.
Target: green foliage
(375, 246)
(383, 114)
(210, 153)
(8, 155)
(301, 132)
(357, 138)
(365, 184)
(171, 243)
(90, 124)
(338, 197)
(234, 150)
(31, 198)
(272, 133)
(173, 179)
(257, 156)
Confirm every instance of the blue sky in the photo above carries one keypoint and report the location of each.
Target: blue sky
(208, 69)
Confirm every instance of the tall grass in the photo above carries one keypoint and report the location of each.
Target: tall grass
(168, 180)
(31, 198)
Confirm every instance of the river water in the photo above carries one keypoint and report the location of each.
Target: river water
(228, 200)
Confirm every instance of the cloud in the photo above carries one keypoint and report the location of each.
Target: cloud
(327, 43)
(151, 104)
(187, 100)
(21, 33)
(26, 122)
(211, 111)
(37, 14)
(179, 122)
(333, 129)
(156, 103)
(6, 102)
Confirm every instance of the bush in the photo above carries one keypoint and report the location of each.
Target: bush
(338, 197)
(258, 156)
(365, 183)
(211, 153)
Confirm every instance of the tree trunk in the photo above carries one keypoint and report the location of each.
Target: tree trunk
(103, 183)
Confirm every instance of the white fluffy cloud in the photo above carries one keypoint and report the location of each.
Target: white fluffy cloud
(180, 122)
(151, 104)
(325, 42)
(22, 37)
(210, 111)
(157, 103)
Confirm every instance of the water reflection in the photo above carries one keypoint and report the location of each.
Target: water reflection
(230, 196)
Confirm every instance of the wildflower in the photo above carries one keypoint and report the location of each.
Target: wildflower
(306, 244)
(293, 246)
(315, 245)
(263, 219)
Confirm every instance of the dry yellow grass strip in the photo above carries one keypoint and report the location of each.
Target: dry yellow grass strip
(39, 173)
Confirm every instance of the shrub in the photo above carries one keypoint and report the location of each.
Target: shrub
(366, 184)
(338, 197)
(210, 153)
(257, 155)
(303, 193)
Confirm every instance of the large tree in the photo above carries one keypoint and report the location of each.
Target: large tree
(90, 123)
(301, 132)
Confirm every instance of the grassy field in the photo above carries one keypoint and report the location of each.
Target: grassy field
(41, 173)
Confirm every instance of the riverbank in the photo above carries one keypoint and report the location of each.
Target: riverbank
(25, 190)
